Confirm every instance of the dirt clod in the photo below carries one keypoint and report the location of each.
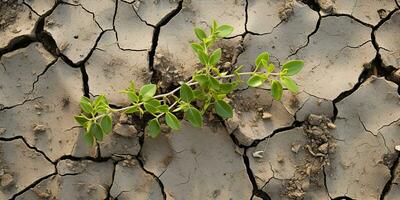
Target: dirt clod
(166, 73)
(319, 145)
(125, 130)
(327, 5)
(6, 180)
(286, 10)
(2, 131)
(9, 12)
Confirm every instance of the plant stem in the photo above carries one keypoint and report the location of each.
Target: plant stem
(189, 83)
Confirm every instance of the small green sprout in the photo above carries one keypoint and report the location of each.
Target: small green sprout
(205, 91)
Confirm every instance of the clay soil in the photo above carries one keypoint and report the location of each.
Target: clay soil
(336, 139)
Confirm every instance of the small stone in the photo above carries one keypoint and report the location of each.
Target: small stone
(331, 125)
(397, 148)
(323, 148)
(123, 119)
(266, 115)
(125, 130)
(258, 154)
(39, 129)
(38, 107)
(2, 131)
(6, 180)
(2, 22)
(260, 109)
(296, 147)
(227, 65)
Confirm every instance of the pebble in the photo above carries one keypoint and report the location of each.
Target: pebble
(296, 147)
(323, 148)
(258, 154)
(331, 125)
(6, 180)
(397, 148)
(266, 115)
(39, 129)
(123, 119)
(227, 65)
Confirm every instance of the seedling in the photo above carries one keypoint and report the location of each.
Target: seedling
(205, 91)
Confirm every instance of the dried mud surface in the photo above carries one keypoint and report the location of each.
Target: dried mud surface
(335, 139)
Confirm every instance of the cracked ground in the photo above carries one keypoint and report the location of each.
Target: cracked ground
(335, 139)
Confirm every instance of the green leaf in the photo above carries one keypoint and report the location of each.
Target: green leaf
(194, 117)
(262, 59)
(89, 139)
(214, 27)
(203, 57)
(290, 84)
(96, 131)
(186, 93)
(102, 109)
(203, 80)
(172, 121)
(215, 57)
(152, 105)
(223, 109)
(224, 31)
(154, 128)
(147, 91)
(227, 88)
(163, 108)
(100, 101)
(200, 34)
(214, 83)
(199, 94)
(81, 119)
(256, 80)
(270, 68)
(86, 105)
(131, 110)
(197, 47)
(276, 90)
(133, 97)
(293, 67)
(106, 124)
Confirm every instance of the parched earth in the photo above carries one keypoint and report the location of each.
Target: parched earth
(336, 139)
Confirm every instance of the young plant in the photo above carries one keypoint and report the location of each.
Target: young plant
(205, 91)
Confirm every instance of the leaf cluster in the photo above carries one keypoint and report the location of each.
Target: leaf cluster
(206, 91)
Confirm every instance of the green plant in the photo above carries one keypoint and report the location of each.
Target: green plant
(205, 91)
